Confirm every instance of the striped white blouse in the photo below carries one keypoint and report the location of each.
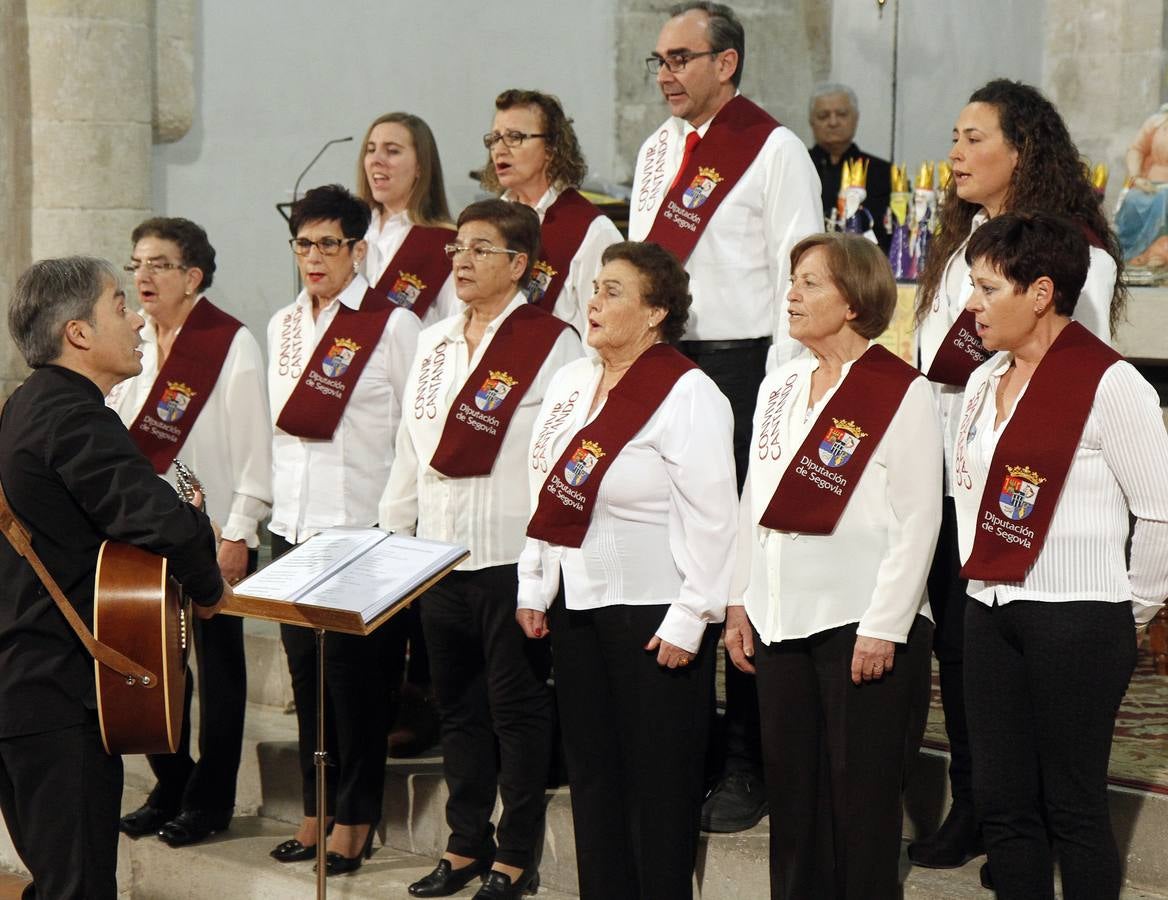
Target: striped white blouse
(1120, 466)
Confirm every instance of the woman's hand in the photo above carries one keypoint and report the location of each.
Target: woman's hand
(233, 560)
(739, 639)
(871, 659)
(668, 655)
(533, 622)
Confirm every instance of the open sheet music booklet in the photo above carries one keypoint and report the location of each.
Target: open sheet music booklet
(355, 570)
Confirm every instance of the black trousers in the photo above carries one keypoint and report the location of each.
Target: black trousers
(738, 374)
(209, 784)
(635, 739)
(60, 793)
(947, 599)
(496, 710)
(1043, 683)
(833, 754)
(362, 675)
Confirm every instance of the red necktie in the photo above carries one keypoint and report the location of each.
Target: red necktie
(691, 140)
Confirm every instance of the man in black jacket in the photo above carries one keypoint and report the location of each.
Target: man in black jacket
(74, 478)
(834, 116)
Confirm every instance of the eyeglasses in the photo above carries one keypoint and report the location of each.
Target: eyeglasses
(478, 252)
(328, 246)
(152, 265)
(675, 62)
(511, 139)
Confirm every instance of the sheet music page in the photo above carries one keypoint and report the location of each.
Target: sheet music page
(388, 572)
(309, 564)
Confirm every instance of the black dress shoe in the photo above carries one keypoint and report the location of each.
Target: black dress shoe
(146, 819)
(498, 886)
(446, 880)
(983, 875)
(336, 864)
(956, 842)
(736, 804)
(292, 851)
(192, 826)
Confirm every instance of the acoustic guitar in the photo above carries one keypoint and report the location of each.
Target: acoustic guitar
(141, 612)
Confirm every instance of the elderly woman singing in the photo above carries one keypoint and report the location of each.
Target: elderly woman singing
(632, 479)
(839, 521)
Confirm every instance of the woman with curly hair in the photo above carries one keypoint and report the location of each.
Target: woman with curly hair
(534, 158)
(1011, 153)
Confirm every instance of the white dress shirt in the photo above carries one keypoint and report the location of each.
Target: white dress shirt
(1118, 467)
(663, 523)
(229, 447)
(487, 514)
(1093, 311)
(872, 568)
(319, 484)
(384, 242)
(740, 267)
(572, 302)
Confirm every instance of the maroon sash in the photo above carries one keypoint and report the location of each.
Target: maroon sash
(564, 226)
(316, 404)
(1034, 455)
(565, 504)
(184, 383)
(418, 270)
(721, 158)
(482, 411)
(823, 474)
(959, 354)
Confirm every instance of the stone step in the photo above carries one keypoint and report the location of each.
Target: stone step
(268, 681)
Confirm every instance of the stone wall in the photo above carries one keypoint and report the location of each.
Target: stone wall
(788, 50)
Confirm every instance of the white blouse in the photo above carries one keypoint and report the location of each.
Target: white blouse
(383, 244)
(230, 446)
(663, 524)
(1093, 311)
(319, 484)
(1119, 467)
(487, 514)
(872, 568)
(572, 302)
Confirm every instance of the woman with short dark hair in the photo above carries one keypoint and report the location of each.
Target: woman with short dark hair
(839, 518)
(458, 476)
(534, 158)
(632, 483)
(1061, 445)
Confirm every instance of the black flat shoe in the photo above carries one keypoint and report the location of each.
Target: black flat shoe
(336, 864)
(446, 880)
(146, 819)
(192, 826)
(498, 886)
(292, 851)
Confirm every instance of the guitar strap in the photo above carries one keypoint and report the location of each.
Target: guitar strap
(18, 536)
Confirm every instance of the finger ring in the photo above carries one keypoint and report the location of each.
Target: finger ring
(684, 661)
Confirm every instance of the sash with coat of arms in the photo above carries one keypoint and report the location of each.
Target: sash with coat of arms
(183, 384)
(477, 422)
(822, 475)
(418, 270)
(564, 226)
(566, 500)
(315, 406)
(720, 159)
(1033, 455)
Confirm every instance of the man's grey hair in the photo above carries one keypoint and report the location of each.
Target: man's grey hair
(826, 89)
(726, 31)
(49, 294)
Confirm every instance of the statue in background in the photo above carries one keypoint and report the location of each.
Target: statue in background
(1141, 221)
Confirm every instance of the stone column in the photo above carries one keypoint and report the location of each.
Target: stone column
(1104, 69)
(91, 65)
(15, 173)
(788, 50)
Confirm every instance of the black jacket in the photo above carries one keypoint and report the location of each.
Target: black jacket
(74, 477)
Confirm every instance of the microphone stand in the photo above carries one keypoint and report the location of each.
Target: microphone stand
(280, 207)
